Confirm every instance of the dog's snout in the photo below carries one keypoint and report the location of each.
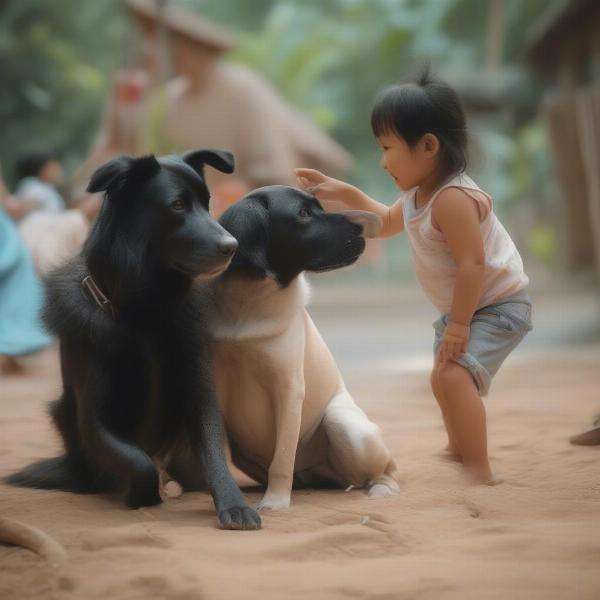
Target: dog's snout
(228, 245)
(369, 224)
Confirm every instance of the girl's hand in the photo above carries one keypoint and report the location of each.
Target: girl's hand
(326, 189)
(454, 341)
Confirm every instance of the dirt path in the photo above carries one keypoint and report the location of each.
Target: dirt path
(535, 536)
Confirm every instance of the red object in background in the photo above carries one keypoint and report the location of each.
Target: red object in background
(130, 86)
(225, 193)
(125, 119)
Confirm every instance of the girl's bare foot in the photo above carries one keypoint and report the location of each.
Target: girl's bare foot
(493, 481)
(450, 453)
(482, 476)
(9, 365)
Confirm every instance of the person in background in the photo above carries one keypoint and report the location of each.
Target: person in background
(21, 296)
(52, 233)
(38, 173)
(180, 92)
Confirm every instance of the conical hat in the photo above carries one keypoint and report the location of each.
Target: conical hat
(184, 22)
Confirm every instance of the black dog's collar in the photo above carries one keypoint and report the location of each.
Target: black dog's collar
(96, 293)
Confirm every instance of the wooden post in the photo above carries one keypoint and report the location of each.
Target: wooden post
(575, 230)
(588, 124)
(495, 34)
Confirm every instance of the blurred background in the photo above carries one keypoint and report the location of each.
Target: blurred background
(286, 83)
(75, 73)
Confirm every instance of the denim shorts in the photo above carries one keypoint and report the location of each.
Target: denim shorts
(496, 330)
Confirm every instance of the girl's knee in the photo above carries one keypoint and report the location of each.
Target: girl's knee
(450, 374)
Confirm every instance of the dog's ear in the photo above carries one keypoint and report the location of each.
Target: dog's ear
(248, 222)
(114, 173)
(108, 174)
(219, 159)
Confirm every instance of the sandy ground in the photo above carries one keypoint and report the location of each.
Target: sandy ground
(535, 536)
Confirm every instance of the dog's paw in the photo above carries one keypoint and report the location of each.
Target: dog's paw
(136, 498)
(383, 487)
(172, 489)
(274, 502)
(145, 492)
(239, 517)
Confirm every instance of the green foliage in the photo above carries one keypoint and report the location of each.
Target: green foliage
(543, 243)
(327, 57)
(54, 60)
(330, 59)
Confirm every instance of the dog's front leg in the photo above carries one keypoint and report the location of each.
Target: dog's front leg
(288, 408)
(232, 509)
(112, 453)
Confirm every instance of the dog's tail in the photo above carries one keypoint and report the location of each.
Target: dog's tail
(60, 473)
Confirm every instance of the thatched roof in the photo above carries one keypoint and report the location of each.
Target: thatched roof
(560, 23)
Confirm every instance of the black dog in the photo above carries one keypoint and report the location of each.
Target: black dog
(283, 231)
(135, 352)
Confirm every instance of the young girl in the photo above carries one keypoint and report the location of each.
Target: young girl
(465, 260)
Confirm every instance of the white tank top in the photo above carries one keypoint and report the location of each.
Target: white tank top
(434, 265)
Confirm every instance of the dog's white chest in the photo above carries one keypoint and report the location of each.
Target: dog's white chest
(254, 311)
(265, 355)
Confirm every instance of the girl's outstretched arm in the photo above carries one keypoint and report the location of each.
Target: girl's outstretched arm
(330, 191)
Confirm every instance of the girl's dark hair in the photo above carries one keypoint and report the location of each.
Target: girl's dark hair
(30, 164)
(425, 105)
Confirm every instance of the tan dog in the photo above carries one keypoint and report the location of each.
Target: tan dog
(288, 414)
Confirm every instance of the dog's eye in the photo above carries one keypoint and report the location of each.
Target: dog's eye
(177, 205)
(304, 214)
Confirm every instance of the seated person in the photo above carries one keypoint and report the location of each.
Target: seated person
(38, 174)
(21, 331)
(52, 233)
